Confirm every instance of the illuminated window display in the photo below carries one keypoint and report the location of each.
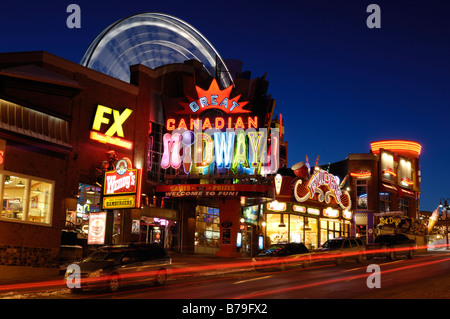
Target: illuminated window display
(333, 228)
(26, 198)
(276, 229)
(284, 228)
(207, 230)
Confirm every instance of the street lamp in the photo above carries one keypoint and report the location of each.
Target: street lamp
(446, 208)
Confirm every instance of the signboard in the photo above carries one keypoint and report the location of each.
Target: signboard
(331, 213)
(326, 185)
(97, 228)
(118, 118)
(207, 190)
(119, 202)
(199, 144)
(122, 187)
(226, 236)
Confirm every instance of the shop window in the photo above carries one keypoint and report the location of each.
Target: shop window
(296, 227)
(207, 230)
(311, 235)
(155, 152)
(361, 193)
(385, 202)
(276, 228)
(88, 199)
(26, 198)
(332, 229)
(403, 205)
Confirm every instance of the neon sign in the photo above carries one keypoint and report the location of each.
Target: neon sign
(213, 98)
(239, 151)
(396, 145)
(326, 186)
(122, 187)
(331, 213)
(217, 123)
(361, 173)
(115, 129)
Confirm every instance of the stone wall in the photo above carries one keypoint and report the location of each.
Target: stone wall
(28, 256)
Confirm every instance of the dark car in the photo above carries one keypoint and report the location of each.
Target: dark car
(342, 248)
(391, 246)
(281, 256)
(114, 266)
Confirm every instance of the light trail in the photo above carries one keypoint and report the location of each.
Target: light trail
(215, 269)
(336, 280)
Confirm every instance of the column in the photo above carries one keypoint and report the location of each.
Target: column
(229, 210)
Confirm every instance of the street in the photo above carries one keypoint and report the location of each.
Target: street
(424, 277)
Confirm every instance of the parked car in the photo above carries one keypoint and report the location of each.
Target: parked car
(114, 266)
(391, 246)
(282, 256)
(343, 248)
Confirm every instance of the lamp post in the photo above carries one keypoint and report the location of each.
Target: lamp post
(446, 209)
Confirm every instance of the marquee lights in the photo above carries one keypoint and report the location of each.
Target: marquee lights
(396, 145)
(217, 123)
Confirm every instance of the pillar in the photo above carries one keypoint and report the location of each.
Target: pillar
(229, 210)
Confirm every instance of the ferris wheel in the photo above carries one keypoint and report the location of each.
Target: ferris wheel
(152, 39)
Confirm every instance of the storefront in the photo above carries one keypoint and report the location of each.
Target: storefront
(218, 155)
(309, 208)
(292, 223)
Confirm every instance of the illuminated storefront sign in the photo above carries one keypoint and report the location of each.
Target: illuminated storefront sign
(396, 146)
(213, 98)
(299, 209)
(278, 182)
(326, 186)
(235, 150)
(207, 190)
(346, 214)
(361, 173)
(218, 123)
(118, 202)
(276, 206)
(199, 144)
(313, 211)
(97, 228)
(331, 213)
(114, 129)
(122, 187)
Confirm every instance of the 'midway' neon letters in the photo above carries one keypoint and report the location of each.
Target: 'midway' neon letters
(238, 150)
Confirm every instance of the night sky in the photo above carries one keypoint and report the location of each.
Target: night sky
(338, 84)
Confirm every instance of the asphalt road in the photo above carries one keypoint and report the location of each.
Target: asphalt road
(424, 277)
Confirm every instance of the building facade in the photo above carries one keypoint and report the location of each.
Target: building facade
(385, 188)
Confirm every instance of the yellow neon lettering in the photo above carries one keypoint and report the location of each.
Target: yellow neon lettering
(99, 118)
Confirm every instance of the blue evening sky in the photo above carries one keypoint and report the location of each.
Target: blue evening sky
(338, 84)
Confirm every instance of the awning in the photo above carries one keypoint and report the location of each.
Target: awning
(404, 192)
(159, 212)
(388, 187)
